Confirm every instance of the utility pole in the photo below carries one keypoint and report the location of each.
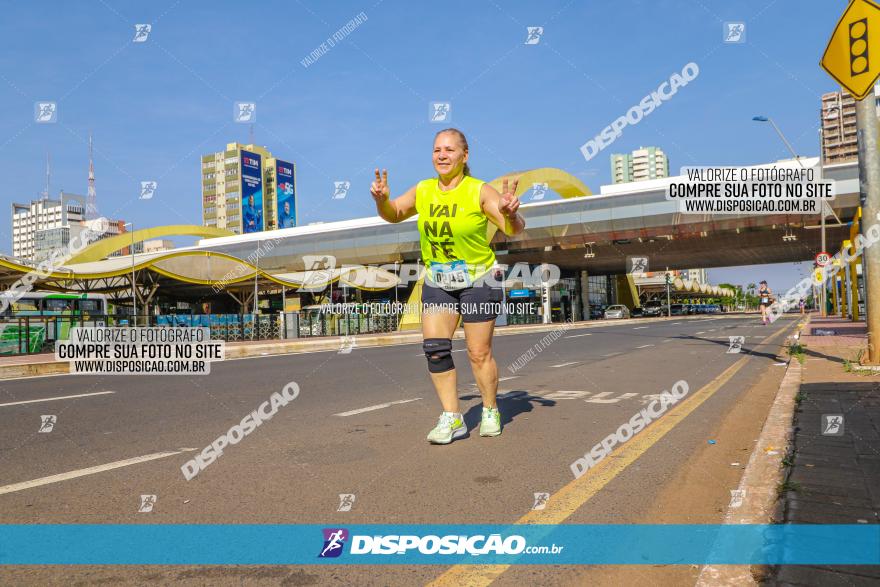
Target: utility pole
(869, 188)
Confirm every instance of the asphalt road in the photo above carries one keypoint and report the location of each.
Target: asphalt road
(293, 468)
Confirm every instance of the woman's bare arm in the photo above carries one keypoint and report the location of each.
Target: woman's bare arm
(502, 208)
(396, 210)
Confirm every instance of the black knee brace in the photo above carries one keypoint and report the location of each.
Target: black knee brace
(439, 354)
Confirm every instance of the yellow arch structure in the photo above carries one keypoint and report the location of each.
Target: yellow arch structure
(561, 182)
(103, 248)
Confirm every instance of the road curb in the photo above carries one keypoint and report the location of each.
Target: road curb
(762, 476)
(335, 343)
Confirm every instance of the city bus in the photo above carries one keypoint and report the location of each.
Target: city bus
(29, 321)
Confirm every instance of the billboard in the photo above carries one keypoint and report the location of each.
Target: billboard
(285, 192)
(251, 192)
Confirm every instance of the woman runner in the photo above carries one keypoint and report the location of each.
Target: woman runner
(454, 209)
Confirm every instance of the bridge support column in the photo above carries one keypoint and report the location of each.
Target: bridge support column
(585, 294)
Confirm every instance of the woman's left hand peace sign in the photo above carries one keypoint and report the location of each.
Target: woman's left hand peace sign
(509, 203)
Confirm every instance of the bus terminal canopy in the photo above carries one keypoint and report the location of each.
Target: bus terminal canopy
(186, 268)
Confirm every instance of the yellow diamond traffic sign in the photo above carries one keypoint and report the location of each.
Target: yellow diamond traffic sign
(817, 276)
(849, 57)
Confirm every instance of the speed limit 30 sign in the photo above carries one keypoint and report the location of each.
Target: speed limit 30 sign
(822, 259)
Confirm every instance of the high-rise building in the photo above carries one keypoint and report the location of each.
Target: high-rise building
(838, 123)
(621, 168)
(48, 225)
(642, 164)
(46, 222)
(247, 189)
(698, 275)
(158, 245)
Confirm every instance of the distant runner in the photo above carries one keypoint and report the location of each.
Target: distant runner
(453, 210)
(765, 294)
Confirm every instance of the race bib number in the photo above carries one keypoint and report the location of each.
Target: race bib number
(450, 276)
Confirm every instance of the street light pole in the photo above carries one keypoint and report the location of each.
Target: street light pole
(798, 159)
(133, 283)
(869, 187)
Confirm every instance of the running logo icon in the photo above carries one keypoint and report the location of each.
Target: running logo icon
(148, 190)
(245, 112)
(736, 498)
(319, 272)
(334, 540)
(533, 35)
(45, 112)
(346, 501)
(734, 32)
(147, 503)
(638, 266)
(539, 190)
(736, 344)
(47, 423)
(340, 189)
(348, 343)
(541, 500)
(141, 32)
(440, 112)
(832, 424)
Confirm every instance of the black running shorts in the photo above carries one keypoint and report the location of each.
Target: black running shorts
(477, 303)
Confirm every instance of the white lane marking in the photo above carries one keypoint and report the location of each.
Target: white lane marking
(701, 332)
(612, 354)
(566, 394)
(577, 335)
(52, 399)
(639, 327)
(564, 364)
(510, 377)
(602, 398)
(644, 346)
(89, 471)
(668, 340)
(675, 323)
(377, 407)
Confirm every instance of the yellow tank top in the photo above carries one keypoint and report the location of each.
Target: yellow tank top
(452, 225)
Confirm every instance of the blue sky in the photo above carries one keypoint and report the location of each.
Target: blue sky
(155, 107)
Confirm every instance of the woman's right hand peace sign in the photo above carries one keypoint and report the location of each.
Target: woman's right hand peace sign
(379, 188)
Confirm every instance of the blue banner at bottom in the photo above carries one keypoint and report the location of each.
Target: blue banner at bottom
(569, 544)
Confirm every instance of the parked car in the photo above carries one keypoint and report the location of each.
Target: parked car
(636, 312)
(617, 311)
(678, 310)
(653, 308)
(597, 312)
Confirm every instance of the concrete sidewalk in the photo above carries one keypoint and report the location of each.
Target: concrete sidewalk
(45, 364)
(834, 477)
